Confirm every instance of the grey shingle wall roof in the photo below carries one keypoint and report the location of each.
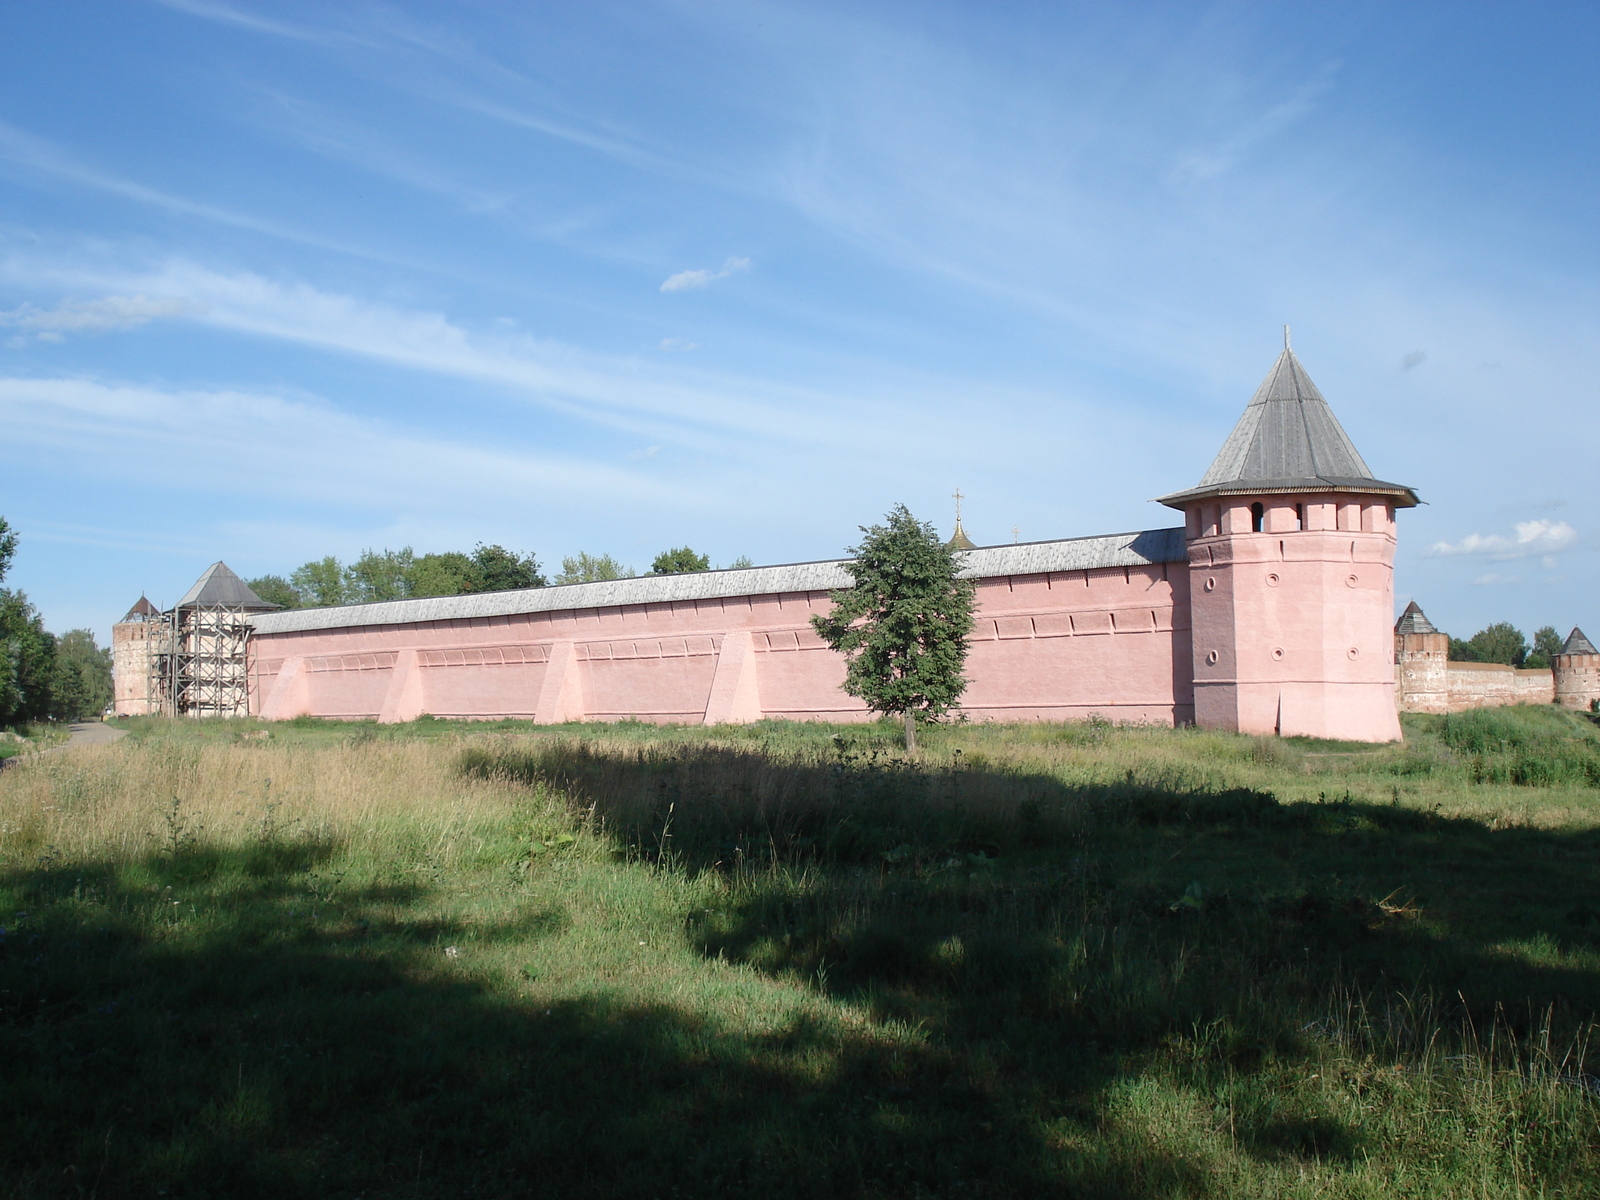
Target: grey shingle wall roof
(1287, 432)
(1576, 643)
(1029, 558)
(1414, 620)
(220, 587)
(1287, 440)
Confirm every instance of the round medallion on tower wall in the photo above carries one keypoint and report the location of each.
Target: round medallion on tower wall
(1277, 654)
(1352, 580)
(1211, 657)
(1272, 580)
(1353, 653)
(1211, 583)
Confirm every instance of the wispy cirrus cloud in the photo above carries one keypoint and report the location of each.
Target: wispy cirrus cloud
(1530, 539)
(240, 18)
(242, 443)
(44, 158)
(685, 280)
(1227, 152)
(660, 400)
(90, 316)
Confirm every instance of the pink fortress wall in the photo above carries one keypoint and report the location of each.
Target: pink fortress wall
(1053, 645)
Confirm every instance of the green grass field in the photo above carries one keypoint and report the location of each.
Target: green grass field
(446, 959)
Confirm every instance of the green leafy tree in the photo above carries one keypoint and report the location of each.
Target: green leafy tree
(275, 589)
(1546, 645)
(321, 583)
(27, 652)
(586, 568)
(27, 661)
(499, 570)
(80, 681)
(680, 561)
(449, 574)
(1501, 642)
(376, 577)
(903, 627)
(8, 547)
(742, 563)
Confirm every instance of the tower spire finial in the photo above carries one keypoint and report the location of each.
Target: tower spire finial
(1286, 337)
(959, 539)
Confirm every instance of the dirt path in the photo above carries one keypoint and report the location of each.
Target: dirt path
(92, 733)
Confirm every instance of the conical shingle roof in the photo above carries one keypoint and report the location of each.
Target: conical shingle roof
(1576, 643)
(141, 611)
(1414, 620)
(1288, 440)
(219, 587)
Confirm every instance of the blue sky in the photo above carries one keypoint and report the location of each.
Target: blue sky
(279, 281)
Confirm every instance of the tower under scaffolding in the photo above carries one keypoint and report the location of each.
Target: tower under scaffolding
(195, 653)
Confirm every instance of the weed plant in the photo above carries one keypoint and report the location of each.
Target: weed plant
(787, 960)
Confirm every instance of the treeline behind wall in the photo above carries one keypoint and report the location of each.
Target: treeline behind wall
(1504, 643)
(380, 575)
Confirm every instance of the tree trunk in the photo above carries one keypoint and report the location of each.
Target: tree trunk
(911, 732)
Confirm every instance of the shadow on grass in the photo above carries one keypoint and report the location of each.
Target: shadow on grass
(214, 1023)
(242, 1023)
(1057, 935)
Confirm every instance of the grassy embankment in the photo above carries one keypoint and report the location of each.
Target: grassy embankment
(439, 960)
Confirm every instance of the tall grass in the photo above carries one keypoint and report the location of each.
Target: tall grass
(791, 961)
(1535, 747)
(107, 802)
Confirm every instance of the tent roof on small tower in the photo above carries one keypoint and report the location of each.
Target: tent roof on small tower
(219, 587)
(141, 611)
(1288, 440)
(1414, 620)
(1576, 643)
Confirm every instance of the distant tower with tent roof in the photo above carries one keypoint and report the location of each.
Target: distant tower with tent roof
(1422, 663)
(190, 661)
(1577, 673)
(130, 659)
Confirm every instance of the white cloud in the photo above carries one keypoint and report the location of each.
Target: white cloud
(92, 316)
(1541, 537)
(1491, 579)
(678, 345)
(698, 279)
(1414, 359)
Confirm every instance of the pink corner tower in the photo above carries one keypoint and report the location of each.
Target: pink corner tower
(1291, 569)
